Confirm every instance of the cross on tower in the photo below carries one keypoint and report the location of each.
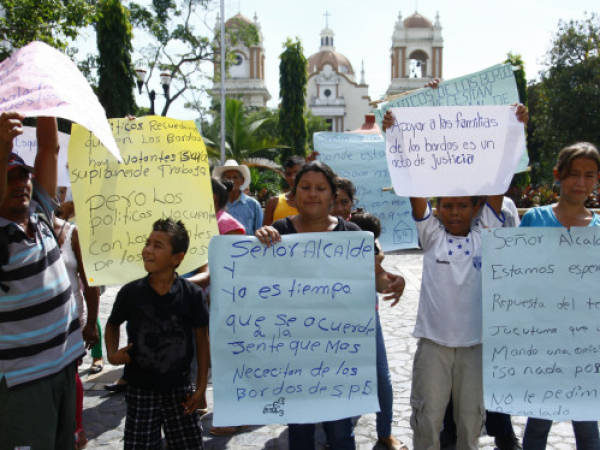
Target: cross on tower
(327, 18)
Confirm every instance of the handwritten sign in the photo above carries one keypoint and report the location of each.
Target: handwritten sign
(495, 85)
(25, 145)
(164, 173)
(453, 150)
(541, 322)
(361, 158)
(293, 328)
(38, 80)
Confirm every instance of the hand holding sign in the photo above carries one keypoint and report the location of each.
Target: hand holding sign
(292, 327)
(38, 80)
(468, 150)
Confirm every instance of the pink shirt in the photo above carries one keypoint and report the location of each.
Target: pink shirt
(227, 223)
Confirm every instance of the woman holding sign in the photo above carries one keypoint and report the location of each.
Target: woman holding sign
(576, 171)
(314, 191)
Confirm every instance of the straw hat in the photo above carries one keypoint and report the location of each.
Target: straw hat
(231, 164)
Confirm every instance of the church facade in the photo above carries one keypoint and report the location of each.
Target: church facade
(245, 78)
(416, 53)
(332, 91)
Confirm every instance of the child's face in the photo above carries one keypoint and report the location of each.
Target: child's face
(290, 174)
(456, 213)
(342, 205)
(579, 180)
(158, 254)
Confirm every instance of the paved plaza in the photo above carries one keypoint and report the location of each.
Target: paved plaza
(104, 414)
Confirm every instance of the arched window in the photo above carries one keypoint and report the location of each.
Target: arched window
(417, 64)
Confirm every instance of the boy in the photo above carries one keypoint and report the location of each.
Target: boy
(164, 313)
(448, 357)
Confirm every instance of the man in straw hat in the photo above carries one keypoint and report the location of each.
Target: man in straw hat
(244, 208)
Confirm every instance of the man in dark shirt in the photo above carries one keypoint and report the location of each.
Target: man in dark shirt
(164, 314)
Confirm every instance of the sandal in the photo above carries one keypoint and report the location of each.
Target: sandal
(95, 368)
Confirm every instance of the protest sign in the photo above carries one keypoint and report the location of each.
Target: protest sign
(292, 328)
(453, 150)
(541, 327)
(495, 85)
(25, 145)
(38, 80)
(164, 173)
(361, 158)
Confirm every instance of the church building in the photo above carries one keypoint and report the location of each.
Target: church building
(246, 75)
(332, 91)
(416, 54)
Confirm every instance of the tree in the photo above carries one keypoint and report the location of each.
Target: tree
(244, 134)
(115, 73)
(292, 90)
(176, 47)
(517, 61)
(568, 96)
(50, 21)
(314, 124)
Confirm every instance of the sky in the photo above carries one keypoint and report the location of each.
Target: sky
(476, 33)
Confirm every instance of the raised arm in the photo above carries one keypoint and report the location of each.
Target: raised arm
(46, 159)
(419, 207)
(10, 127)
(269, 210)
(495, 201)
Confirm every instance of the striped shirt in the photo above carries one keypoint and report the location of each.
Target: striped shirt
(39, 325)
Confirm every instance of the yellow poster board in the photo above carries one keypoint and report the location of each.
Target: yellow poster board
(164, 173)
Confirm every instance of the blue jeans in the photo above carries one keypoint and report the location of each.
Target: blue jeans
(340, 435)
(536, 434)
(385, 393)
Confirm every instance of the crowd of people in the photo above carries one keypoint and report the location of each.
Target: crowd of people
(44, 331)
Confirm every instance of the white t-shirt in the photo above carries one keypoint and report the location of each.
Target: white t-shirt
(450, 302)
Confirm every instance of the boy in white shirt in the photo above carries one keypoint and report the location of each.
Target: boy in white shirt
(448, 357)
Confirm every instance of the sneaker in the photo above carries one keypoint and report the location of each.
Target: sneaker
(507, 442)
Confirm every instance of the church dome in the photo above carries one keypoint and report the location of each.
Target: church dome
(237, 20)
(337, 61)
(417, 21)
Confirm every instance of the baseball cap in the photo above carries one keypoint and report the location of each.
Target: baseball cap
(15, 160)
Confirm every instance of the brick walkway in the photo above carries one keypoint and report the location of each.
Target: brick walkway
(104, 415)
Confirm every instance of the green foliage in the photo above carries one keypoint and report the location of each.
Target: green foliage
(314, 124)
(115, 73)
(292, 89)
(176, 46)
(517, 61)
(244, 133)
(565, 106)
(50, 21)
(264, 184)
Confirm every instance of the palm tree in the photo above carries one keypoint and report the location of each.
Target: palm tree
(250, 136)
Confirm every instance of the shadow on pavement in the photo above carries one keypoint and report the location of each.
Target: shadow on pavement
(106, 414)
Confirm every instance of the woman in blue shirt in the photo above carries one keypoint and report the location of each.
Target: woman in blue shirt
(577, 172)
